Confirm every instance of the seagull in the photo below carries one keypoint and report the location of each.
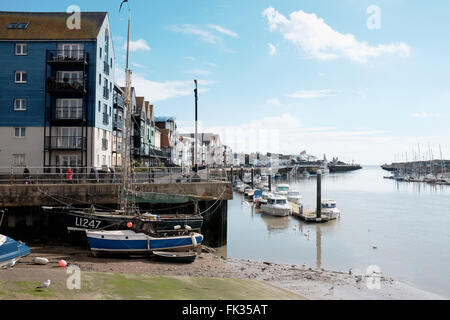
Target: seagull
(44, 285)
(9, 264)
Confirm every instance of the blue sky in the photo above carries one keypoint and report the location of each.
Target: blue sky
(292, 75)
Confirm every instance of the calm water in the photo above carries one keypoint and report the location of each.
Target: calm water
(408, 222)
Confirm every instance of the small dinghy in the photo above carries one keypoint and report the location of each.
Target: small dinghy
(178, 257)
(11, 251)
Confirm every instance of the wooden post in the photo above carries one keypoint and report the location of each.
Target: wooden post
(319, 194)
(231, 174)
(270, 182)
(252, 177)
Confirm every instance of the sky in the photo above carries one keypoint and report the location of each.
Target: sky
(365, 81)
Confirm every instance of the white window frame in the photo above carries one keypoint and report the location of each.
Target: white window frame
(22, 132)
(69, 108)
(23, 49)
(71, 50)
(19, 160)
(21, 72)
(68, 160)
(20, 104)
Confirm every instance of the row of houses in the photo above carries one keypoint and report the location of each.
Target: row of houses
(270, 159)
(61, 106)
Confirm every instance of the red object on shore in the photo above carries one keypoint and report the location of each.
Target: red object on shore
(130, 225)
(69, 174)
(62, 263)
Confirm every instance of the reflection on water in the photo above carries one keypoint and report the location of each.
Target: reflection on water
(408, 223)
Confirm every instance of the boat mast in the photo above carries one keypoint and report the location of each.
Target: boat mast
(125, 183)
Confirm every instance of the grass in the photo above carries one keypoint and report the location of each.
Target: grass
(134, 287)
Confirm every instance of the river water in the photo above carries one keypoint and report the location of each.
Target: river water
(409, 223)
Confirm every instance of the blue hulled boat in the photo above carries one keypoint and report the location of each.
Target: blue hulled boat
(11, 250)
(129, 241)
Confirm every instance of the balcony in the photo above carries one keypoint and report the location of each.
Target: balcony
(68, 113)
(119, 101)
(67, 57)
(118, 123)
(106, 93)
(106, 68)
(105, 118)
(67, 87)
(104, 144)
(65, 143)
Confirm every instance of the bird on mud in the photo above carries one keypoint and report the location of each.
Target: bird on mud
(10, 264)
(44, 285)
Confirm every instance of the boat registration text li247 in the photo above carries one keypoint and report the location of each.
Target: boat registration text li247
(87, 223)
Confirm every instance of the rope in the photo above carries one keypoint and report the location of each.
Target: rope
(220, 199)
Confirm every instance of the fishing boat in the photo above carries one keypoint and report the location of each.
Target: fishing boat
(276, 206)
(11, 250)
(177, 257)
(282, 189)
(237, 185)
(294, 196)
(306, 173)
(132, 242)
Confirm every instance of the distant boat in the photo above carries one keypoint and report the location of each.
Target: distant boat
(276, 206)
(282, 189)
(11, 250)
(131, 242)
(178, 257)
(329, 209)
(305, 173)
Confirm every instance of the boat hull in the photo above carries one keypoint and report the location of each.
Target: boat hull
(10, 249)
(130, 242)
(277, 211)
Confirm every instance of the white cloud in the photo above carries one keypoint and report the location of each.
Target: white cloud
(200, 72)
(272, 49)
(138, 45)
(318, 40)
(313, 94)
(158, 91)
(223, 30)
(190, 58)
(211, 64)
(425, 115)
(274, 102)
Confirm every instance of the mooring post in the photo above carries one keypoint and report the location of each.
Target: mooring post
(231, 174)
(252, 177)
(270, 182)
(319, 194)
(242, 174)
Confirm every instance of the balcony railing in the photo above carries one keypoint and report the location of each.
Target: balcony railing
(68, 113)
(72, 85)
(119, 100)
(67, 56)
(105, 118)
(118, 123)
(104, 144)
(106, 68)
(65, 143)
(105, 93)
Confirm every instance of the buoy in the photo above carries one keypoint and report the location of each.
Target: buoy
(62, 263)
(194, 241)
(177, 227)
(130, 225)
(187, 227)
(39, 260)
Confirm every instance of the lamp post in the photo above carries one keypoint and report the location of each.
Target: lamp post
(231, 173)
(196, 176)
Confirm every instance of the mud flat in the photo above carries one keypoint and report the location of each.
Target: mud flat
(206, 272)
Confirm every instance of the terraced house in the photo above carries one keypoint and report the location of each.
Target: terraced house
(57, 90)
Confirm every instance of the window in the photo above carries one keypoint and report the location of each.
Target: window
(72, 161)
(99, 106)
(69, 108)
(110, 63)
(71, 77)
(19, 132)
(73, 51)
(16, 25)
(20, 104)
(100, 52)
(19, 160)
(21, 49)
(100, 79)
(21, 77)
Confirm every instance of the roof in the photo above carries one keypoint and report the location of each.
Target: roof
(164, 119)
(50, 26)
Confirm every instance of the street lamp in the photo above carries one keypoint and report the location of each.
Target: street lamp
(196, 176)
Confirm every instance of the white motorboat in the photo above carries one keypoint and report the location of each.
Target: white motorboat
(282, 189)
(330, 209)
(276, 206)
(305, 173)
(294, 196)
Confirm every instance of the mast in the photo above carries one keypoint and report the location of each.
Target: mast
(125, 183)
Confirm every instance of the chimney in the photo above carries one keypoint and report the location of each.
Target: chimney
(152, 118)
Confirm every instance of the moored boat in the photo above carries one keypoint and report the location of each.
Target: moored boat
(276, 206)
(131, 242)
(178, 257)
(282, 189)
(294, 196)
(11, 250)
